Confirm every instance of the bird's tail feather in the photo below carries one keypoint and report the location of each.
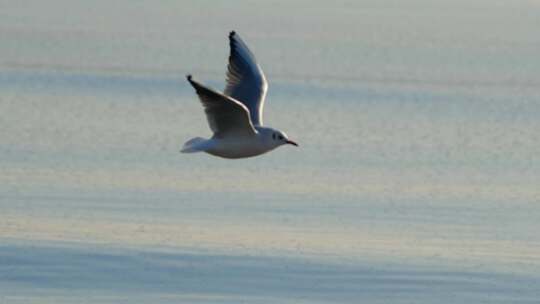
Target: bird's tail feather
(197, 144)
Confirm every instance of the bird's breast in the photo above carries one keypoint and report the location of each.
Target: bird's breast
(238, 148)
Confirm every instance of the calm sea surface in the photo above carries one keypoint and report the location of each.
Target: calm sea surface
(417, 179)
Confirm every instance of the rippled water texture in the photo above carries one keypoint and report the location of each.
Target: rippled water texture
(416, 180)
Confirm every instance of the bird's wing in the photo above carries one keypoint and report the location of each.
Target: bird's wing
(245, 78)
(226, 116)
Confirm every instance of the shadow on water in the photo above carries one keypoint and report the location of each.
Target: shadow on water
(34, 270)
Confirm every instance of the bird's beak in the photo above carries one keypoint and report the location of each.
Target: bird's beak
(290, 142)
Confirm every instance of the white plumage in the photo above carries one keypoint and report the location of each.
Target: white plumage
(235, 116)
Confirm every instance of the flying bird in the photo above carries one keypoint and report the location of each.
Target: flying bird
(236, 115)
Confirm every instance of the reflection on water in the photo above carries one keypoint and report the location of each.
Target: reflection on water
(201, 277)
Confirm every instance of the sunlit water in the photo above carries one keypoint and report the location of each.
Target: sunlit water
(416, 180)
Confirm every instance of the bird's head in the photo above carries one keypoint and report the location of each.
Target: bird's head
(277, 138)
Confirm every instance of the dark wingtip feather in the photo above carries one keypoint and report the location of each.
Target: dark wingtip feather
(232, 43)
(190, 80)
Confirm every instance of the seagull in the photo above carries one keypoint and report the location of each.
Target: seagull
(235, 116)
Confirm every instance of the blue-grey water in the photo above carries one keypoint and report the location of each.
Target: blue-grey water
(416, 181)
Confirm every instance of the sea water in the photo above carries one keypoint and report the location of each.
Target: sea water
(416, 180)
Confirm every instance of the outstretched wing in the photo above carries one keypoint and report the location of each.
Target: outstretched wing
(226, 116)
(245, 79)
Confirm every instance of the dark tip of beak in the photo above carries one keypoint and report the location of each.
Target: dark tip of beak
(290, 142)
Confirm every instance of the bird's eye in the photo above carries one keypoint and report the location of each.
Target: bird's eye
(280, 137)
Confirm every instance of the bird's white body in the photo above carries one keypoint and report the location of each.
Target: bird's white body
(235, 116)
(265, 140)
